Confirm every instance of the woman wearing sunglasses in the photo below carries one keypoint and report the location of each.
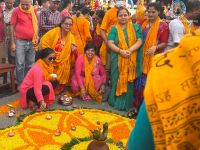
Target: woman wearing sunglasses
(36, 90)
(62, 41)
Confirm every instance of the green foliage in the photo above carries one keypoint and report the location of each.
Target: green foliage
(100, 135)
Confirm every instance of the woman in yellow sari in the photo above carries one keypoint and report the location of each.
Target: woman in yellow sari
(61, 40)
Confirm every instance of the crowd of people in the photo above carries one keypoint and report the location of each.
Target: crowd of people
(145, 62)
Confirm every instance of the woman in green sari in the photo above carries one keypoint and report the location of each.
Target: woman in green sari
(125, 59)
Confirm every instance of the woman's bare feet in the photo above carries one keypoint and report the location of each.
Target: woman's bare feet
(32, 106)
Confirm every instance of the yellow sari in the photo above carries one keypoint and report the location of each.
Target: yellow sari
(172, 96)
(62, 62)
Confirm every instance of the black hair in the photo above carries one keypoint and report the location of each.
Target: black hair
(122, 8)
(100, 13)
(192, 5)
(92, 13)
(66, 2)
(43, 1)
(41, 54)
(63, 20)
(158, 7)
(78, 9)
(89, 45)
(85, 10)
(196, 20)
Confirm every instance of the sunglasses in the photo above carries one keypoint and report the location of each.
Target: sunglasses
(52, 58)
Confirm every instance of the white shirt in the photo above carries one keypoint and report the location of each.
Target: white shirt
(176, 32)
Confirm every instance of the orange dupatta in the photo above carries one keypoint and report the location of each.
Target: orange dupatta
(185, 23)
(46, 69)
(103, 49)
(35, 24)
(126, 66)
(150, 41)
(89, 83)
(62, 62)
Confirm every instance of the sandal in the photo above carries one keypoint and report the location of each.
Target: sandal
(132, 113)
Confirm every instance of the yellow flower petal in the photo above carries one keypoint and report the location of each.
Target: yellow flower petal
(81, 132)
(63, 138)
(50, 147)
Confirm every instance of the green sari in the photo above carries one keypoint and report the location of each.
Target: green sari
(125, 101)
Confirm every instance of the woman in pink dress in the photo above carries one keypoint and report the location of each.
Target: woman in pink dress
(90, 75)
(36, 90)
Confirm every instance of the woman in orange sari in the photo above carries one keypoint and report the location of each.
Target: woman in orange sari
(155, 35)
(81, 29)
(61, 40)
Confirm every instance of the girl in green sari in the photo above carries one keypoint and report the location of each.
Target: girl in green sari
(124, 40)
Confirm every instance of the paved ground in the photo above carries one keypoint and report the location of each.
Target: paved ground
(5, 121)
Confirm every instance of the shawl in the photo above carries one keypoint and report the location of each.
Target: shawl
(150, 41)
(126, 66)
(173, 106)
(62, 62)
(89, 83)
(46, 69)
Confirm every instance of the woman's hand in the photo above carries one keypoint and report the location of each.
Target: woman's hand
(151, 50)
(102, 89)
(125, 53)
(13, 46)
(43, 105)
(83, 92)
(89, 18)
(73, 47)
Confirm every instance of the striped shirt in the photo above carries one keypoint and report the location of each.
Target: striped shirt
(48, 20)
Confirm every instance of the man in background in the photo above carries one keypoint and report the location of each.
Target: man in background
(49, 18)
(24, 25)
(7, 35)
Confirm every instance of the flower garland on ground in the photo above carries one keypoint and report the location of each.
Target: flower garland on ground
(36, 131)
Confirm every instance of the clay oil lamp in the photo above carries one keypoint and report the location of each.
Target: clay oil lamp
(11, 133)
(57, 133)
(73, 127)
(48, 117)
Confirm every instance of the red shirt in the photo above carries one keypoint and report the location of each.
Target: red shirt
(65, 13)
(23, 24)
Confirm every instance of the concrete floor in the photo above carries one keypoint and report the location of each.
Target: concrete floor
(5, 121)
